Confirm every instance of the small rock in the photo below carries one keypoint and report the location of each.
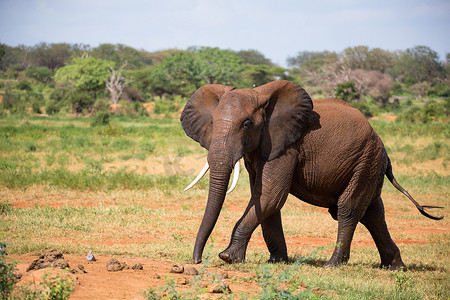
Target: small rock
(157, 276)
(81, 269)
(17, 276)
(177, 269)
(137, 266)
(60, 264)
(191, 271)
(183, 281)
(114, 265)
(125, 266)
(221, 288)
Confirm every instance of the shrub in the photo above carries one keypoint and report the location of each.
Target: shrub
(24, 85)
(165, 106)
(433, 110)
(14, 101)
(7, 277)
(41, 74)
(36, 108)
(57, 287)
(102, 118)
(52, 107)
(366, 109)
(347, 91)
(58, 98)
(81, 100)
(440, 90)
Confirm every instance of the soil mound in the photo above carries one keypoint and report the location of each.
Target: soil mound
(50, 258)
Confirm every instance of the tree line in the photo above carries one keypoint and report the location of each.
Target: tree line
(79, 79)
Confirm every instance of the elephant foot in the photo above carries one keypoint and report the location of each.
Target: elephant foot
(394, 264)
(277, 259)
(228, 258)
(196, 261)
(232, 256)
(335, 262)
(332, 264)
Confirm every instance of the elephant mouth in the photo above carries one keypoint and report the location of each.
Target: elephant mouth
(205, 170)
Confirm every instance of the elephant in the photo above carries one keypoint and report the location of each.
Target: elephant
(323, 152)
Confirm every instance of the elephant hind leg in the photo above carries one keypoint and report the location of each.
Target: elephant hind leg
(346, 228)
(374, 221)
(350, 208)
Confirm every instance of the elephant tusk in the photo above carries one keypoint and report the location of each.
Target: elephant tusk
(199, 176)
(235, 177)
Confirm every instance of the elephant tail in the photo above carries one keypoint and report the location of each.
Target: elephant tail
(394, 182)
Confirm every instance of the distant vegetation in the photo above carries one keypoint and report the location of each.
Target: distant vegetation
(80, 80)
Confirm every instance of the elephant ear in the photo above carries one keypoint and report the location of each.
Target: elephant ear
(289, 114)
(196, 117)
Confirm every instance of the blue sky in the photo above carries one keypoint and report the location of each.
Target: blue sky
(277, 28)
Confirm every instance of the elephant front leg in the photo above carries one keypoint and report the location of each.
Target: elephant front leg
(270, 189)
(255, 215)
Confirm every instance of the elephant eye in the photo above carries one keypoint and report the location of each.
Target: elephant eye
(247, 124)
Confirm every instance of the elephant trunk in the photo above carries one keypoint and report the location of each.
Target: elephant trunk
(220, 171)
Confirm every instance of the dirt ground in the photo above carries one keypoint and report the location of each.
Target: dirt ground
(98, 283)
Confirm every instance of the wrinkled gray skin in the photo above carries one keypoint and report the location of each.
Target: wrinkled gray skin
(328, 156)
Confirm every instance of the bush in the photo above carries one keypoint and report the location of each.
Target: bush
(102, 118)
(41, 74)
(81, 100)
(165, 106)
(36, 108)
(24, 85)
(14, 101)
(347, 91)
(366, 109)
(52, 107)
(7, 276)
(440, 90)
(58, 98)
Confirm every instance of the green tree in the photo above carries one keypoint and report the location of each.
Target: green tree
(52, 56)
(15, 58)
(312, 59)
(177, 74)
(253, 57)
(361, 57)
(85, 74)
(218, 66)
(2, 51)
(418, 64)
(86, 79)
(256, 75)
(122, 54)
(183, 72)
(106, 52)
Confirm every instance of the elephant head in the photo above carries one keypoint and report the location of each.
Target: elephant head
(231, 122)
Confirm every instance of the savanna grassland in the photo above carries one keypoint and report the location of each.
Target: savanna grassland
(117, 190)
